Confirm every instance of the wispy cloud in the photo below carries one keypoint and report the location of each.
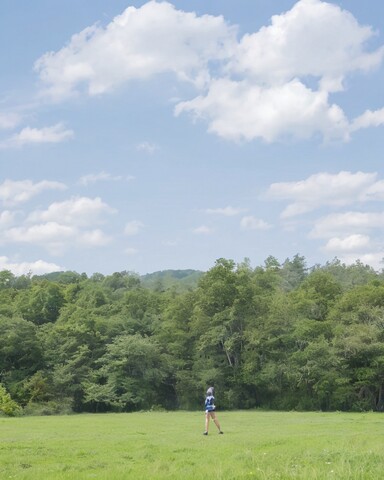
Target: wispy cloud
(203, 230)
(99, 177)
(252, 223)
(133, 228)
(325, 189)
(226, 211)
(131, 251)
(9, 120)
(20, 191)
(34, 136)
(147, 147)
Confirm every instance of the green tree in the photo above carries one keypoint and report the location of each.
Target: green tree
(130, 376)
(8, 406)
(41, 303)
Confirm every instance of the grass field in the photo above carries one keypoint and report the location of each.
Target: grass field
(160, 445)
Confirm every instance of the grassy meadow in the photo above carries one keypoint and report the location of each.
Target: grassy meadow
(170, 445)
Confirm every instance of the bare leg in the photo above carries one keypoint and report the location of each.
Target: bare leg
(213, 415)
(207, 415)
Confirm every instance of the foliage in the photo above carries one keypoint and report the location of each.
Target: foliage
(8, 406)
(280, 336)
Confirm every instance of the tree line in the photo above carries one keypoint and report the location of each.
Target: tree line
(278, 336)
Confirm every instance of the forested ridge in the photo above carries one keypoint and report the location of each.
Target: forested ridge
(279, 336)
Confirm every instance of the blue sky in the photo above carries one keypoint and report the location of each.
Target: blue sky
(146, 136)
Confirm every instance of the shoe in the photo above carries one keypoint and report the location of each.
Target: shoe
(205, 433)
(221, 433)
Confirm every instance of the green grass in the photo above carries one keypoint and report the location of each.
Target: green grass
(157, 445)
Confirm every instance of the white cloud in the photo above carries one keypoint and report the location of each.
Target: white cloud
(352, 243)
(27, 136)
(16, 192)
(79, 211)
(374, 259)
(241, 110)
(39, 267)
(226, 211)
(341, 224)
(133, 228)
(147, 147)
(203, 230)
(56, 238)
(52, 236)
(137, 44)
(368, 119)
(9, 120)
(7, 218)
(131, 251)
(63, 225)
(328, 189)
(314, 38)
(271, 84)
(252, 223)
(98, 177)
(94, 238)
(270, 98)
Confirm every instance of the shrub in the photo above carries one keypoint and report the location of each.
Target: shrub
(8, 406)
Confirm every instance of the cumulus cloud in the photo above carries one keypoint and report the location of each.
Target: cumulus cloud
(374, 258)
(78, 211)
(271, 84)
(241, 110)
(14, 192)
(133, 228)
(340, 224)
(314, 38)
(137, 44)
(56, 238)
(38, 267)
(352, 243)
(252, 223)
(61, 226)
(266, 93)
(226, 211)
(51, 235)
(321, 189)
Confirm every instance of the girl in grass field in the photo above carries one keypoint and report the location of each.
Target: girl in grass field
(210, 410)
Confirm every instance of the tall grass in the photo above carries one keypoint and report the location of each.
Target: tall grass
(160, 445)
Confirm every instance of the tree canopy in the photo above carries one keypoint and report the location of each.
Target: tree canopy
(280, 336)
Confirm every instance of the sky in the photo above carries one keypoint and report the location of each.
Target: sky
(143, 136)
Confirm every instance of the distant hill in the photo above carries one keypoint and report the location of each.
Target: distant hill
(181, 280)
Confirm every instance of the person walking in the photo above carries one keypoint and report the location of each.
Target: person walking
(210, 411)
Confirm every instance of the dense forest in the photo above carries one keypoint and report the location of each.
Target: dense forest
(279, 336)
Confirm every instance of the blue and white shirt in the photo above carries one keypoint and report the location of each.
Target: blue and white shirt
(210, 403)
